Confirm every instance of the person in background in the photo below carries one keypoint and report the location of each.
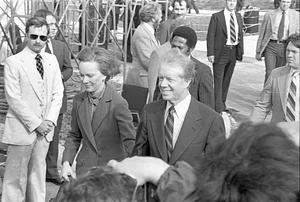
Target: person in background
(275, 29)
(101, 121)
(224, 48)
(143, 43)
(176, 19)
(34, 92)
(256, 163)
(60, 50)
(281, 92)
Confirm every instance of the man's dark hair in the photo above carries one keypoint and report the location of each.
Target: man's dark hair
(101, 185)
(188, 33)
(43, 13)
(258, 163)
(180, 3)
(277, 3)
(295, 39)
(36, 22)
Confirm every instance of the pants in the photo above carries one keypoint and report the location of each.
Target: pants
(25, 172)
(274, 57)
(52, 155)
(223, 71)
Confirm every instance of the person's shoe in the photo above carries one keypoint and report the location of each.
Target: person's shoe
(56, 181)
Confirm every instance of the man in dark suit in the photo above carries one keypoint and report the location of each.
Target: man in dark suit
(224, 47)
(60, 50)
(177, 128)
(185, 39)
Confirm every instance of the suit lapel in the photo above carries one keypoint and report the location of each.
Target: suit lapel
(150, 35)
(223, 22)
(187, 133)
(102, 109)
(32, 74)
(273, 17)
(85, 120)
(157, 127)
(283, 87)
(47, 64)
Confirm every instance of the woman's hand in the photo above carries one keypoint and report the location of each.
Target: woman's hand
(67, 171)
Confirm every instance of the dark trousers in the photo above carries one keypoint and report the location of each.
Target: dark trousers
(274, 57)
(52, 155)
(223, 71)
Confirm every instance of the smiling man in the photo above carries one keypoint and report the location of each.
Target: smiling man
(281, 91)
(34, 92)
(177, 128)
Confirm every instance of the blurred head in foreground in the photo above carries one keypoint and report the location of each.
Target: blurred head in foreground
(258, 163)
(101, 184)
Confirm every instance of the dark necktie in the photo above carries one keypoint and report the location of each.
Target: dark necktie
(169, 131)
(47, 50)
(232, 29)
(281, 26)
(39, 65)
(291, 100)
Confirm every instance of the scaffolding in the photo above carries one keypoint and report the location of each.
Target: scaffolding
(80, 23)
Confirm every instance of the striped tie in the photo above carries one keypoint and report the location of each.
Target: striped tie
(291, 100)
(169, 131)
(232, 29)
(281, 26)
(39, 65)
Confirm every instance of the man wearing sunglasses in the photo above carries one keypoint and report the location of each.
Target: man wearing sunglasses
(60, 50)
(34, 92)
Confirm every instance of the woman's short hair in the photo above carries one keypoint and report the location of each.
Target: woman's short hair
(174, 56)
(149, 11)
(108, 64)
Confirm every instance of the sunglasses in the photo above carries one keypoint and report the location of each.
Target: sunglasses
(42, 37)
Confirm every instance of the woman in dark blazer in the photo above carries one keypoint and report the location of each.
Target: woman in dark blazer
(101, 121)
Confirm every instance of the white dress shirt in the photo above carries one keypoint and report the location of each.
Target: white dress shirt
(277, 22)
(181, 109)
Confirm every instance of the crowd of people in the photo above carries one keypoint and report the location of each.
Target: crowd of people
(179, 151)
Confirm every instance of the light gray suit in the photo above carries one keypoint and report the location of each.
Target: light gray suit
(142, 44)
(267, 27)
(31, 100)
(273, 97)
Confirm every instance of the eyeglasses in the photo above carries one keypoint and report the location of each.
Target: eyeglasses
(35, 36)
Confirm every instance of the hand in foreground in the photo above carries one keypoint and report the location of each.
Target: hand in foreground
(143, 169)
(67, 171)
